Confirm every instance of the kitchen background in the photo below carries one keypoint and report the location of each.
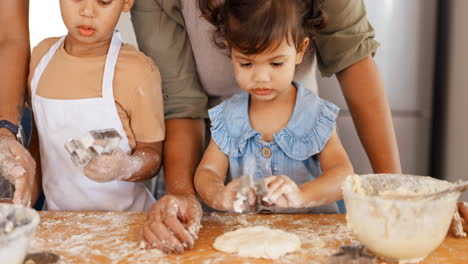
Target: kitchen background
(423, 60)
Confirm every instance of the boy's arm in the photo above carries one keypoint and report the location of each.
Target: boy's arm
(150, 155)
(139, 166)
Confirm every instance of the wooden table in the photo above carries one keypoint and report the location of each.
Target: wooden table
(102, 238)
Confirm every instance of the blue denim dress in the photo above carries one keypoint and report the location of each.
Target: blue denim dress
(293, 150)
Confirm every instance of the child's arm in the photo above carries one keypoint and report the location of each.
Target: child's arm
(210, 177)
(335, 165)
(142, 165)
(151, 154)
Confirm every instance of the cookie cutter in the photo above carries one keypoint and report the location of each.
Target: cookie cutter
(352, 254)
(260, 189)
(92, 144)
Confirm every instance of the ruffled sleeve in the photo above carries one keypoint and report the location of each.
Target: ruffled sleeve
(310, 127)
(230, 128)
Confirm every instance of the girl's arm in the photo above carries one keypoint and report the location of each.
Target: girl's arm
(210, 177)
(335, 165)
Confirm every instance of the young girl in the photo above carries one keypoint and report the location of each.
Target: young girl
(88, 80)
(275, 129)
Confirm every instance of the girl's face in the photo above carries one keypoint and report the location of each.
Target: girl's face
(92, 21)
(267, 75)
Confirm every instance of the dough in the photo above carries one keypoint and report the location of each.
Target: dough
(258, 242)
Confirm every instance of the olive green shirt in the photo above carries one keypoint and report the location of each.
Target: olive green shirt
(162, 35)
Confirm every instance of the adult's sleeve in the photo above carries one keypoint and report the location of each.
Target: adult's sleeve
(347, 38)
(160, 32)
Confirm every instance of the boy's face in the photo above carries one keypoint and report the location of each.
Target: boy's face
(92, 21)
(267, 75)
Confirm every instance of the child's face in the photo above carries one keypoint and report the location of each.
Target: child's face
(92, 21)
(267, 75)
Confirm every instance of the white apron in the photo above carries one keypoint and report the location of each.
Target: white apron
(65, 186)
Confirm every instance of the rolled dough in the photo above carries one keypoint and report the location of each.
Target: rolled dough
(258, 242)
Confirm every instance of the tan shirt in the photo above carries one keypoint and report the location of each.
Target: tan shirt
(162, 31)
(137, 87)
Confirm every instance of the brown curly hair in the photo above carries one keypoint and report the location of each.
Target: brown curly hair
(253, 26)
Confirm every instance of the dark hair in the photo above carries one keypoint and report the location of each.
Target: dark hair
(252, 26)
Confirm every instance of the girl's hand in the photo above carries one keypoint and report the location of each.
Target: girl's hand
(117, 166)
(229, 200)
(283, 192)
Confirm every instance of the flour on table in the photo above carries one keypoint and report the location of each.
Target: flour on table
(258, 242)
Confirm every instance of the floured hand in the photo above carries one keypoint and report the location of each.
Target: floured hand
(172, 223)
(117, 166)
(456, 228)
(231, 200)
(283, 192)
(18, 167)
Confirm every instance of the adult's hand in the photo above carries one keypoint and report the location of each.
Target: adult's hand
(18, 167)
(456, 228)
(172, 223)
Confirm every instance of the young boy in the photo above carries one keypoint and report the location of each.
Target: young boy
(88, 80)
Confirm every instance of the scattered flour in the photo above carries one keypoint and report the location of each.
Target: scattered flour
(113, 238)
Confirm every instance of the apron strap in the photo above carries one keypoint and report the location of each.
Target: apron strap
(109, 68)
(43, 64)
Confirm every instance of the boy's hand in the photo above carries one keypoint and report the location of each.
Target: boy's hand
(117, 166)
(283, 192)
(18, 167)
(172, 223)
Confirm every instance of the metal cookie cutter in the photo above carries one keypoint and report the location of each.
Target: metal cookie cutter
(260, 189)
(42, 258)
(93, 144)
(352, 254)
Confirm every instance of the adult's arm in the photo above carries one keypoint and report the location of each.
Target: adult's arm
(172, 223)
(345, 48)
(14, 59)
(16, 164)
(367, 101)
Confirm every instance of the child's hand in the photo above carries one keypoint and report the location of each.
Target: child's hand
(228, 200)
(118, 166)
(283, 192)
